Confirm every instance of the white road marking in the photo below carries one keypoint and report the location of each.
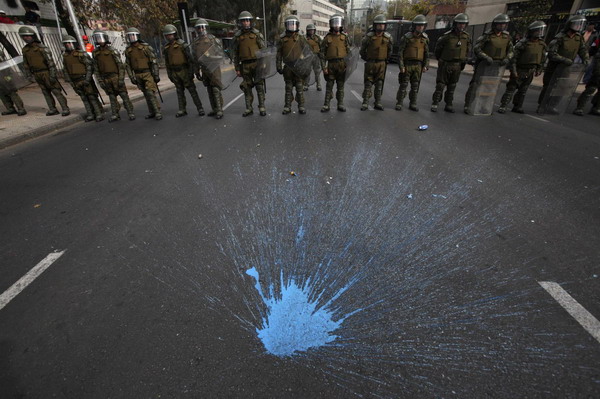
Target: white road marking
(579, 313)
(535, 117)
(232, 101)
(358, 96)
(28, 278)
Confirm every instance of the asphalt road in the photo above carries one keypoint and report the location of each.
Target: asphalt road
(428, 246)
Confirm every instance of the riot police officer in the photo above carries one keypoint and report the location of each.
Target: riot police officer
(111, 75)
(246, 42)
(451, 51)
(9, 94)
(142, 69)
(314, 41)
(210, 78)
(375, 49)
(493, 45)
(334, 49)
(38, 62)
(593, 85)
(529, 59)
(563, 49)
(413, 60)
(180, 69)
(290, 51)
(79, 69)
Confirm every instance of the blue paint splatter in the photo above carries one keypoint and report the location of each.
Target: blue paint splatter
(293, 322)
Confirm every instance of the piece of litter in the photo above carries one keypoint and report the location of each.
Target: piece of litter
(409, 196)
(37, 205)
(258, 145)
(293, 173)
(327, 182)
(595, 276)
(199, 156)
(438, 196)
(423, 127)
(330, 177)
(480, 181)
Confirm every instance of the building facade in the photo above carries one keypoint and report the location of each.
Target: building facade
(314, 12)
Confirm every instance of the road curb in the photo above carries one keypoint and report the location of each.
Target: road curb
(65, 122)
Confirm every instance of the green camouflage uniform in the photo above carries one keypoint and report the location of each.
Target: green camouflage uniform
(111, 77)
(79, 70)
(9, 96)
(488, 48)
(211, 79)
(245, 44)
(375, 49)
(315, 44)
(180, 69)
(142, 69)
(528, 61)
(451, 51)
(334, 49)
(413, 57)
(37, 61)
(563, 50)
(290, 49)
(592, 86)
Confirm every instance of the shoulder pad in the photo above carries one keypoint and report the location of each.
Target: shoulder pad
(237, 33)
(180, 41)
(507, 33)
(370, 34)
(256, 31)
(425, 35)
(387, 35)
(282, 35)
(560, 35)
(447, 33)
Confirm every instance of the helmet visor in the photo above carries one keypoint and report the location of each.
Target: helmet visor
(133, 37)
(577, 26)
(202, 29)
(539, 32)
(100, 38)
(245, 22)
(292, 25)
(335, 22)
(69, 46)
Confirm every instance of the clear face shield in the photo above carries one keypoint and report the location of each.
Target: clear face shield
(170, 37)
(500, 27)
(133, 37)
(69, 46)
(460, 26)
(538, 33)
(577, 26)
(379, 28)
(335, 23)
(202, 30)
(246, 23)
(27, 39)
(292, 26)
(100, 38)
(420, 28)
(311, 32)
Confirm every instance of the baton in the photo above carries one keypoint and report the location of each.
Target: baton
(159, 95)
(95, 86)
(61, 87)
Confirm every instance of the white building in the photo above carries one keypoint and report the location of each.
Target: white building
(314, 12)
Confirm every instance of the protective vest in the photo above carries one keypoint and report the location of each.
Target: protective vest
(105, 61)
(291, 48)
(570, 46)
(138, 58)
(532, 53)
(35, 57)
(73, 63)
(248, 46)
(453, 51)
(378, 48)
(202, 45)
(336, 46)
(175, 55)
(415, 48)
(314, 44)
(495, 47)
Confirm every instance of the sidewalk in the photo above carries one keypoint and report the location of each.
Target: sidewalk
(15, 129)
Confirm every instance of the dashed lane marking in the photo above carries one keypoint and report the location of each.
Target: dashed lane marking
(28, 278)
(579, 313)
(535, 117)
(232, 101)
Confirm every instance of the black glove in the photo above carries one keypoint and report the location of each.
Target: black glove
(133, 80)
(504, 62)
(462, 66)
(156, 78)
(567, 62)
(488, 60)
(280, 71)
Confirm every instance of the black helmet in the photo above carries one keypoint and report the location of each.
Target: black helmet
(419, 20)
(292, 23)
(575, 23)
(461, 18)
(536, 30)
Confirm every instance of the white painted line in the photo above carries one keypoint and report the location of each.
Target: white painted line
(232, 101)
(358, 97)
(579, 313)
(535, 117)
(28, 278)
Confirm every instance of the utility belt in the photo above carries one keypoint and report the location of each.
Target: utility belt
(413, 62)
(335, 60)
(178, 68)
(377, 60)
(141, 70)
(108, 75)
(527, 66)
(39, 70)
(249, 61)
(453, 61)
(77, 78)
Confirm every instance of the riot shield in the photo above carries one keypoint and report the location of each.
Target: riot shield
(488, 79)
(217, 66)
(12, 77)
(562, 85)
(352, 61)
(266, 67)
(300, 60)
